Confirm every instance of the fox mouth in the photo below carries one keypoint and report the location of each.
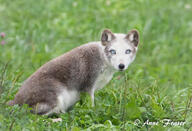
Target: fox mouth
(121, 70)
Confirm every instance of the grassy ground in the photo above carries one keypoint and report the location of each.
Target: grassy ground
(157, 85)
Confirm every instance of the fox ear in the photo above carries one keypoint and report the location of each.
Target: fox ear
(106, 37)
(133, 37)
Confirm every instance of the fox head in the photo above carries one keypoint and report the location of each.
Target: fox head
(120, 49)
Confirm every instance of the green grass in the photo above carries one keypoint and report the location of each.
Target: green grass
(156, 86)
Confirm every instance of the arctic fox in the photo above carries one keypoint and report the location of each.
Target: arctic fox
(57, 85)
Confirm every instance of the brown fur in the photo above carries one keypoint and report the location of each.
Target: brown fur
(75, 69)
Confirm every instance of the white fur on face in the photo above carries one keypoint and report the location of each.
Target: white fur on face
(120, 45)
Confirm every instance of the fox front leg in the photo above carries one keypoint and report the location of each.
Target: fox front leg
(91, 93)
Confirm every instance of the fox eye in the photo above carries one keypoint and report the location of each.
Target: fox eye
(128, 51)
(113, 52)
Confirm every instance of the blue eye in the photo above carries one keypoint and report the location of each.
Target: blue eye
(128, 51)
(112, 51)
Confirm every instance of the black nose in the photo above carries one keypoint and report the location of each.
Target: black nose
(121, 66)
